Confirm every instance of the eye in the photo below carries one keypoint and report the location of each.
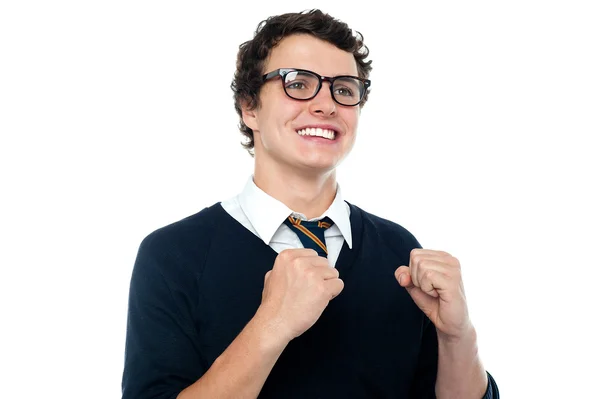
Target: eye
(344, 91)
(297, 85)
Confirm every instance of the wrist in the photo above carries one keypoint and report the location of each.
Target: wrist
(270, 331)
(460, 371)
(467, 335)
(462, 348)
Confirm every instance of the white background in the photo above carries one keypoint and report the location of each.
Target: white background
(480, 137)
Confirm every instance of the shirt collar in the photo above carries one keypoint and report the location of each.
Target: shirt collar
(266, 214)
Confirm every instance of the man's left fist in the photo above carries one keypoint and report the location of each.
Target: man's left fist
(433, 280)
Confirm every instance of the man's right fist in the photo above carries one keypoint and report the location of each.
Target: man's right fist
(297, 290)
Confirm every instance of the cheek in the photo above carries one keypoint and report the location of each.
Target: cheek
(286, 114)
(283, 113)
(350, 118)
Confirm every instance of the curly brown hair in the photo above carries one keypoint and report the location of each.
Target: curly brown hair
(252, 54)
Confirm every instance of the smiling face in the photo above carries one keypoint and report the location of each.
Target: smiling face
(286, 130)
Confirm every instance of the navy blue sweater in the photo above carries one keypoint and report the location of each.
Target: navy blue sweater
(197, 282)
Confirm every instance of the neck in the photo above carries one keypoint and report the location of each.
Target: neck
(309, 194)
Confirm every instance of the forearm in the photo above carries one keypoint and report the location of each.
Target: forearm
(242, 369)
(460, 371)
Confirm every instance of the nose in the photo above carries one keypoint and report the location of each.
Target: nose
(322, 104)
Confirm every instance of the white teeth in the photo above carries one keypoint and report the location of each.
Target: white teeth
(311, 131)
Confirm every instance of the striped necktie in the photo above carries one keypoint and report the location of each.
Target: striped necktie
(311, 234)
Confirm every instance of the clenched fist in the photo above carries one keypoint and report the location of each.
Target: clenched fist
(433, 279)
(297, 290)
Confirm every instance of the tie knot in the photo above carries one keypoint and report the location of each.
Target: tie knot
(311, 234)
(324, 223)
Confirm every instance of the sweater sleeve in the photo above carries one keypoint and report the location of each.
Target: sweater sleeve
(161, 352)
(492, 391)
(423, 386)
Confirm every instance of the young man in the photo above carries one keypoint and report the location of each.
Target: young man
(248, 299)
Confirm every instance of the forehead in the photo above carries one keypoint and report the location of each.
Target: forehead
(304, 51)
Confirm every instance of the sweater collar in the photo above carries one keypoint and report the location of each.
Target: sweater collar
(266, 214)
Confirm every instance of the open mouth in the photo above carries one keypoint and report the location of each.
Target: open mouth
(318, 132)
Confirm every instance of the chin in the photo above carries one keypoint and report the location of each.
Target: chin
(320, 166)
(313, 162)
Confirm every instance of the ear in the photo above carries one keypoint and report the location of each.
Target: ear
(249, 117)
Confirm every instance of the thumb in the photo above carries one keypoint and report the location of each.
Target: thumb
(267, 276)
(403, 276)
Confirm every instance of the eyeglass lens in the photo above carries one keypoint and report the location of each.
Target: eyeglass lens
(303, 85)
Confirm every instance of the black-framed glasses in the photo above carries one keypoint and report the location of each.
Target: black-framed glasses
(301, 84)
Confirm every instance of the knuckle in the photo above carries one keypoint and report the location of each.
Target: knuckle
(286, 255)
(297, 262)
(417, 260)
(413, 254)
(428, 274)
(455, 262)
(457, 274)
(310, 272)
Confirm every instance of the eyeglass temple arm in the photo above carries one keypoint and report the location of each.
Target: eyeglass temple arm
(271, 74)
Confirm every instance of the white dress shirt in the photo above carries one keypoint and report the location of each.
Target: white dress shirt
(263, 215)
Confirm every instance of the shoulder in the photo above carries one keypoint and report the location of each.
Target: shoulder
(184, 240)
(392, 233)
